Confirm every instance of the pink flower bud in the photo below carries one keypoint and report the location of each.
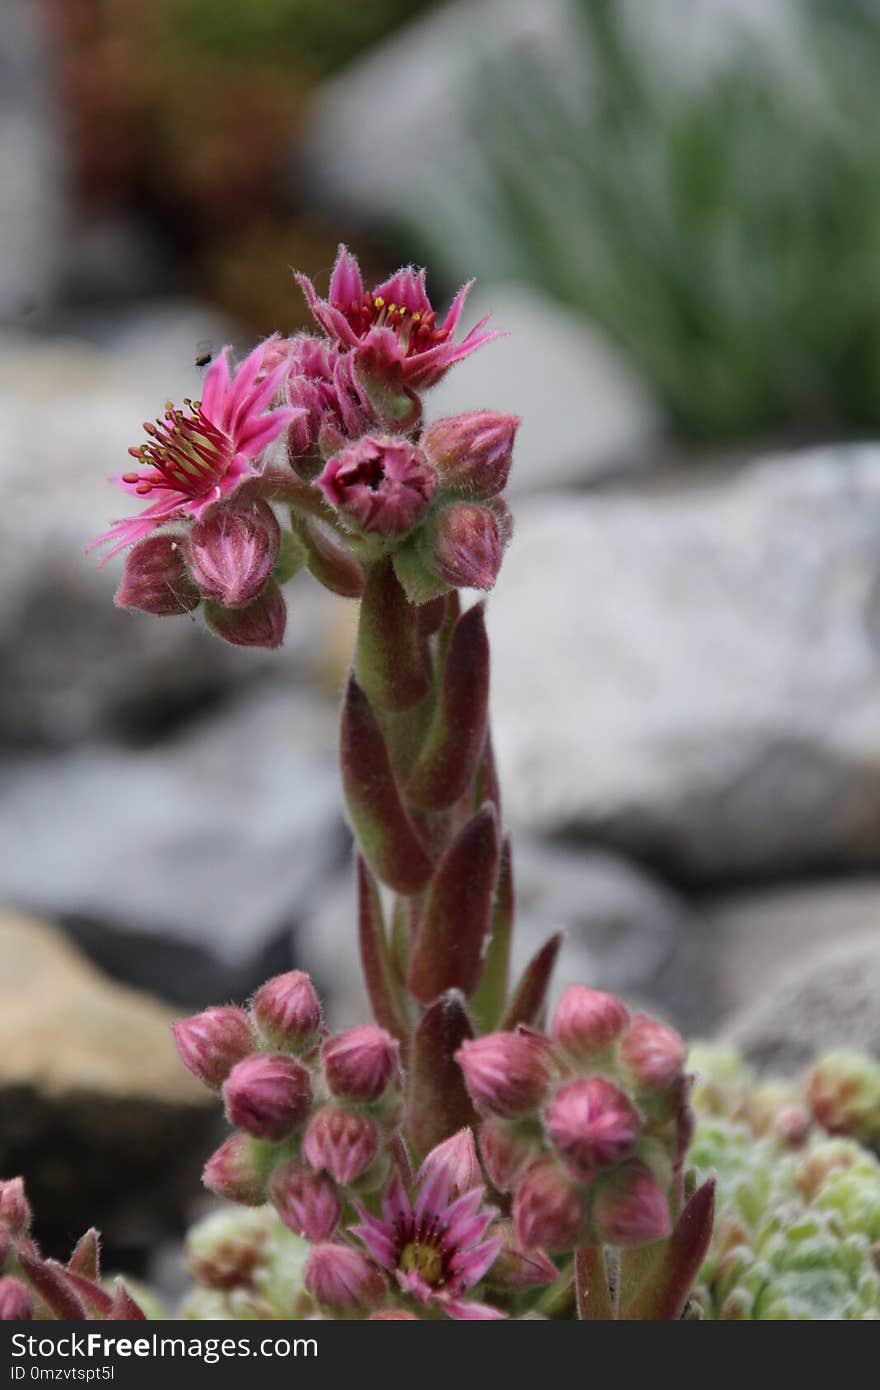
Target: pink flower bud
(16, 1301)
(652, 1053)
(287, 1012)
(507, 1073)
(468, 545)
(473, 452)
(457, 1158)
(587, 1021)
(232, 551)
(338, 1276)
(381, 485)
(507, 1151)
(517, 1268)
(268, 1094)
(15, 1209)
(592, 1124)
(548, 1210)
(631, 1207)
(156, 580)
(360, 1063)
(308, 1203)
(260, 624)
(237, 1171)
(341, 1141)
(212, 1042)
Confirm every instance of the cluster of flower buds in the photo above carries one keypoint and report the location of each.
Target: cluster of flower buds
(798, 1226)
(34, 1287)
(329, 426)
(313, 1114)
(586, 1128)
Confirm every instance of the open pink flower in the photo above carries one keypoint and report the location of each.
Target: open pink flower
(394, 326)
(202, 451)
(434, 1246)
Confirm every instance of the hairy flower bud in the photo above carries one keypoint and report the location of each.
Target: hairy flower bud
(232, 551)
(341, 1141)
(16, 1301)
(631, 1207)
(260, 624)
(507, 1151)
(468, 546)
(381, 485)
(587, 1021)
(15, 1209)
(287, 1012)
(457, 1158)
(548, 1209)
(238, 1171)
(360, 1063)
(268, 1094)
(519, 1268)
(592, 1124)
(308, 1203)
(651, 1053)
(473, 452)
(507, 1073)
(156, 580)
(338, 1276)
(212, 1042)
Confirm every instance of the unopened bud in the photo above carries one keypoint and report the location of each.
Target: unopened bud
(592, 1124)
(15, 1209)
(651, 1053)
(344, 1142)
(468, 546)
(232, 552)
(516, 1267)
(506, 1073)
(156, 580)
(382, 486)
(360, 1063)
(16, 1301)
(843, 1092)
(507, 1150)
(338, 1276)
(472, 452)
(587, 1021)
(238, 1170)
(631, 1207)
(456, 1158)
(308, 1203)
(212, 1042)
(287, 1012)
(260, 624)
(548, 1209)
(268, 1094)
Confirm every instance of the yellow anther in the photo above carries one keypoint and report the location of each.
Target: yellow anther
(417, 318)
(379, 302)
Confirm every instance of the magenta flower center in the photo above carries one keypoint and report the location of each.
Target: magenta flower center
(185, 453)
(416, 330)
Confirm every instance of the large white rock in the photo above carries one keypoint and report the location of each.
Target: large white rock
(693, 674)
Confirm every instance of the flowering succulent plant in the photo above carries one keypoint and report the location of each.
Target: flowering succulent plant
(456, 1158)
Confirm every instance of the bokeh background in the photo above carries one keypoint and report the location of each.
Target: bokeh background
(673, 206)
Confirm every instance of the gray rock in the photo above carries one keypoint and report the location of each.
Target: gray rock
(757, 935)
(584, 413)
(96, 1110)
(217, 837)
(624, 932)
(828, 1000)
(31, 208)
(692, 676)
(72, 663)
